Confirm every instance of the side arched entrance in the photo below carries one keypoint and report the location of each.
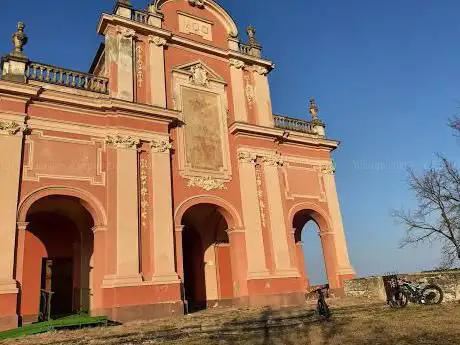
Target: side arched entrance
(207, 268)
(56, 255)
(300, 218)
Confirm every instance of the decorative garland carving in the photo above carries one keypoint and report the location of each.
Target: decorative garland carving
(122, 141)
(236, 63)
(250, 94)
(161, 146)
(11, 128)
(208, 183)
(157, 40)
(139, 66)
(144, 192)
(260, 195)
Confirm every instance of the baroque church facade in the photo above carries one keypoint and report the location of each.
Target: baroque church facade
(160, 181)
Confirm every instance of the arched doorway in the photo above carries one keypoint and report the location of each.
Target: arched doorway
(207, 265)
(57, 257)
(307, 224)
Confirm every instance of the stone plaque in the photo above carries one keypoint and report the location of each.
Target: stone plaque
(192, 25)
(203, 134)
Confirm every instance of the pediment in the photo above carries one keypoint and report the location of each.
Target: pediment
(199, 73)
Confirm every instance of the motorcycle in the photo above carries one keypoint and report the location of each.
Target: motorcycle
(420, 293)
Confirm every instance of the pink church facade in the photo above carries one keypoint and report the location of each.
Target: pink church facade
(161, 180)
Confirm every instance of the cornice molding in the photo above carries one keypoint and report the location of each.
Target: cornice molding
(254, 131)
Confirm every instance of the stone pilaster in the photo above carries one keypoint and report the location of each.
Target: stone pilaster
(238, 91)
(163, 229)
(343, 261)
(11, 145)
(127, 209)
(262, 95)
(257, 267)
(157, 71)
(278, 229)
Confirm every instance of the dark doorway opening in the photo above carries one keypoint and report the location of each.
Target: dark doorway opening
(57, 282)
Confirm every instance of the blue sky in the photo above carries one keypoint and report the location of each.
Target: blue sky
(386, 75)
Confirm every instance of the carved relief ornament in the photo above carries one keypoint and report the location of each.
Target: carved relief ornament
(122, 141)
(196, 3)
(161, 146)
(328, 169)
(261, 70)
(236, 63)
(273, 160)
(144, 192)
(199, 76)
(207, 183)
(125, 32)
(247, 157)
(157, 40)
(11, 127)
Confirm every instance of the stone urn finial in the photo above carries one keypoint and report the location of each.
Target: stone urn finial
(314, 110)
(251, 31)
(19, 40)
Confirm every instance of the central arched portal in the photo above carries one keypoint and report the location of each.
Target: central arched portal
(207, 266)
(57, 257)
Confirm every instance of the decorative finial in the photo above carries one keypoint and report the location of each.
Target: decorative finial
(251, 31)
(314, 110)
(19, 40)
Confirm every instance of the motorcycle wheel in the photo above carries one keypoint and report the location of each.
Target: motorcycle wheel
(432, 294)
(398, 300)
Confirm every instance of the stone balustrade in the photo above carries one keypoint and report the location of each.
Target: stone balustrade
(249, 50)
(140, 16)
(65, 77)
(291, 124)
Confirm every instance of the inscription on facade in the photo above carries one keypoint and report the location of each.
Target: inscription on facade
(192, 25)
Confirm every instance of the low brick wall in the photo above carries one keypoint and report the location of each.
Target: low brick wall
(373, 287)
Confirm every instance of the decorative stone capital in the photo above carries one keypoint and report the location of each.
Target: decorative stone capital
(236, 63)
(125, 32)
(261, 70)
(179, 228)
(196, 3)
(328, 169)
(161, 145)
(207, 183)
(231, 231)
(22, 225)
(11, 128)
(157, 40)
(247, 157)
(122, 141)
(273, 160)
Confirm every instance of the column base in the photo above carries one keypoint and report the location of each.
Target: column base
(8, 311)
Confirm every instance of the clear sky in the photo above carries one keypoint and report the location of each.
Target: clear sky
(385, 73)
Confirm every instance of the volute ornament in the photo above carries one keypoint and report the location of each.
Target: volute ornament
(236, 63)
(261, 70)
(125, 32)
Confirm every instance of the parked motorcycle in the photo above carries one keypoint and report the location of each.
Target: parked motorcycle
(405, 291)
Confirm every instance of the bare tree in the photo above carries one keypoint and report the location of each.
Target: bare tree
(455, 124)
(437, 215)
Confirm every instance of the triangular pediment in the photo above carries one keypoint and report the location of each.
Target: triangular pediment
(191, 68)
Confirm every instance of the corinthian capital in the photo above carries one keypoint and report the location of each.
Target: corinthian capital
(157, 40)
(236, 63)
(11, 127)
(125, 32)
(261, 70)
(273, 160)
(161, 145)
(247, 157)
(122, 141)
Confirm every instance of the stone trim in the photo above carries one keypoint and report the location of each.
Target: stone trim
(122, 141)
(207, 183)
(161, 145)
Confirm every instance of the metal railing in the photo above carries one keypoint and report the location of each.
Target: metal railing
(66, 77)
(291, 124)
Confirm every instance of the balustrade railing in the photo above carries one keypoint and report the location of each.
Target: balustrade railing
(140, 16)
(65, 77)
(249, 50)
(296, 125)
